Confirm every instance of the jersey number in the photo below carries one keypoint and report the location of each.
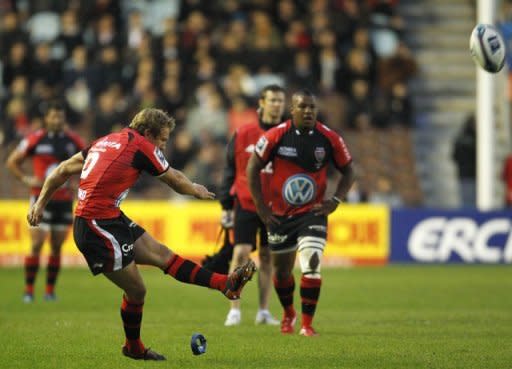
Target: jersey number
(90, 162)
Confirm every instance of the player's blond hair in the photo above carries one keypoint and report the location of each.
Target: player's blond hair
(153, 120)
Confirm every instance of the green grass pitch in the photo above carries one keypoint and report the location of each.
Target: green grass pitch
(378, 317)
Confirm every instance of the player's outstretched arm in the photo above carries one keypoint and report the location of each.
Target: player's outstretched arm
(57, 178)
(182, 185)
(254, 168)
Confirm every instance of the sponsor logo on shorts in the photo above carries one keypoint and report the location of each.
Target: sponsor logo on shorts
(276, 238)
(319, 228)
(299, 189)
(127, 248)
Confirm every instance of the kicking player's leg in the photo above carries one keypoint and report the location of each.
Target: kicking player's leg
(148, 251)
(130, 281)
(57, 236)
(284, 284)
(37, 236)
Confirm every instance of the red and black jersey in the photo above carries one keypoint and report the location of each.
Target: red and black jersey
(112, 165)
(47, 150)
(239, 151)
(299, 160)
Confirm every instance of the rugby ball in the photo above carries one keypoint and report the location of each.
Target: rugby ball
(487, 48)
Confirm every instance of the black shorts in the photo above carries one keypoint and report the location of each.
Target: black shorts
(285, 236)
(57, 214)
(247, 226)
(107, 244)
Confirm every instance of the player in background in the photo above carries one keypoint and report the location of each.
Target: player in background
(238, 209)
(295, 210)
(47, 147)
(114, 245)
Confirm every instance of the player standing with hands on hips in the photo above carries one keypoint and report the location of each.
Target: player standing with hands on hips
(47, 147)
(235, 195)
(114, 245)
(294, 208)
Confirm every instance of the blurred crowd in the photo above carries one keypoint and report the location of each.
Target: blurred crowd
(204, 62)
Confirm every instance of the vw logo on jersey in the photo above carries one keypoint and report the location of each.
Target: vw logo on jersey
(299, 189)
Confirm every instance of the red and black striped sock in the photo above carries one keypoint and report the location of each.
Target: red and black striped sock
(31, 268)
(131, 313)
(309, 293)
(285, 289)
(189, 272)
(52, 272)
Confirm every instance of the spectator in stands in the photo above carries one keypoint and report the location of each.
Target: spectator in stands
(151, 50)
(11, 32)
(398, 68)
(70, 35)
(43, 67)
(360, 107)
(464, 155)
(17, 63)
(384, 193)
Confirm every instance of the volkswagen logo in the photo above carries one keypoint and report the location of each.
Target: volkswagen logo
(299, 189)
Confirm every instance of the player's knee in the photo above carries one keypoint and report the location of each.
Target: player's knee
(282, 274)
(136, 292)
(310, 260)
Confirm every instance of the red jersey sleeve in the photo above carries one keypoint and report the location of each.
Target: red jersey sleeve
(150, 159)
(340, 153)
(27, 145)
(268, 141)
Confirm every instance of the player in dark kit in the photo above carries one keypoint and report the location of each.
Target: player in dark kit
(47, 147)
(111, 243)
(235, 194)
(294, 208)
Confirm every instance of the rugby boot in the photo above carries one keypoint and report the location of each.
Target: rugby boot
(265, 317)
(148, 354)
(308, 331)
(288, 323)
(237, 280)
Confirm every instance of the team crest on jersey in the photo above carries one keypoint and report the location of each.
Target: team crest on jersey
(319, 154)
(261, 145)
(159, 155)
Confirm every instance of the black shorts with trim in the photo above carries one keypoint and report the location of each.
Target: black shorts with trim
(248, 226)
(284, 237)
(107, 244)
(56, 212)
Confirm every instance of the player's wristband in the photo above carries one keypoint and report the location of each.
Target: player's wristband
(337, 200)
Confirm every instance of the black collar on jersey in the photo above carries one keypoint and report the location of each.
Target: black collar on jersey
(52, 134)
(298, 132)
